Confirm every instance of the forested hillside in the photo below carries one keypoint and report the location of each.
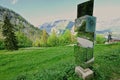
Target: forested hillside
(23, 28)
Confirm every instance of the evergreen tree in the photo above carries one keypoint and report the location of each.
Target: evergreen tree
(67, 37)
(43, 40)
(36, 43)
(53, 39)
(10, 40)
(61, 39)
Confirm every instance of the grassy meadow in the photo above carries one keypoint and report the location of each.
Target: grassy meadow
(57, 63)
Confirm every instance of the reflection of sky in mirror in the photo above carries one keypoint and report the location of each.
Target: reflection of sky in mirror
(40, 11)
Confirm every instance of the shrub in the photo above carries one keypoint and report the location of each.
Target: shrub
(100, 39)
(23, 40)
(53, 39)
(43, 40)
(36, 43)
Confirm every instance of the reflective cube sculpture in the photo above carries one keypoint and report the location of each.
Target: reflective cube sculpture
(85, 28)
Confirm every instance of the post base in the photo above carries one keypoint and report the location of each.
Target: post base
(85, 74)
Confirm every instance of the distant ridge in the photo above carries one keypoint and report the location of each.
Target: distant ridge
(59, 26)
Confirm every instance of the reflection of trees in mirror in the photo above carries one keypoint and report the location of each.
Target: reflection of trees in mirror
(83, 55)
(82, 33)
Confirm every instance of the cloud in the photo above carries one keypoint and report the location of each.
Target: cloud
(14, 1)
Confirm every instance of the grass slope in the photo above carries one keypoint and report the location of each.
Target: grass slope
(107, 62)
(57, 63)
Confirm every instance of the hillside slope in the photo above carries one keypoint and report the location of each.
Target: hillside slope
(20, 23)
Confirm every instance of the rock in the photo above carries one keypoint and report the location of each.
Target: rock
(85, 74)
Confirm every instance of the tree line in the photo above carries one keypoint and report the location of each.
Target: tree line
(12, 40)
(55, 40)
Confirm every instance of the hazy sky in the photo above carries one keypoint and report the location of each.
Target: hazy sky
(39, 11)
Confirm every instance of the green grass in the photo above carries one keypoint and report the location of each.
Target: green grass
(30, 62)
(107, 62)
(57, 63)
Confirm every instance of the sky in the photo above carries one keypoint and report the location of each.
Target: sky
(38, 12)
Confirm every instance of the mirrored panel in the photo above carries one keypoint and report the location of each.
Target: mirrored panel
(85, 28)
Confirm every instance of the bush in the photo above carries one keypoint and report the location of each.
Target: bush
(53, 39)
(66, 38)
(23, 41)
(43, 40)
(100, 39)
(36, 43)
(61, 40)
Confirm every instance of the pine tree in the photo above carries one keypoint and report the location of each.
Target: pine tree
(44, 37)
(10, 40)
(53, 39)
(67, 36)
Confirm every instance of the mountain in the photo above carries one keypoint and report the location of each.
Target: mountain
(102, 26)
(59, 26)
(19, 23)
